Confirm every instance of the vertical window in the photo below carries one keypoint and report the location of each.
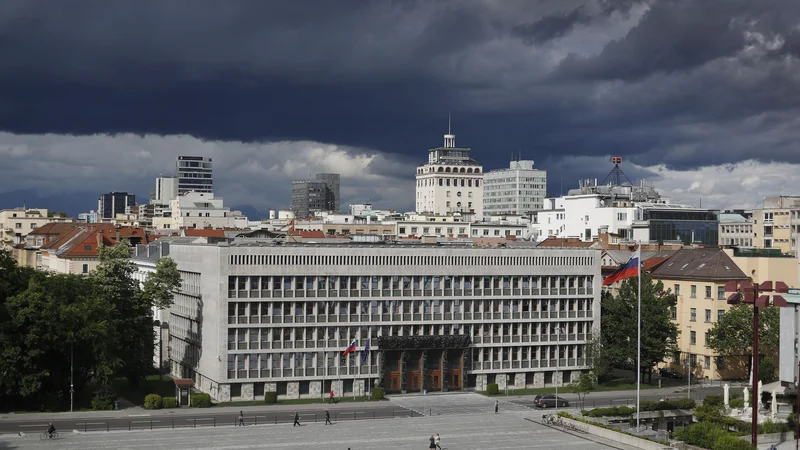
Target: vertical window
(677, 289)
(693, 338)
(720, 292)
(708, 291)
(693, 315)
(674, 312)
(707, 362)
(694, 292)
(708, 315)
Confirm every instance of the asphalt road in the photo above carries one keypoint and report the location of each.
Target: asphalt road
(625, 398)
(202, 418)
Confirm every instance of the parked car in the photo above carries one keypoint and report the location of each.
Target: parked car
(549, 401)
(669, 373)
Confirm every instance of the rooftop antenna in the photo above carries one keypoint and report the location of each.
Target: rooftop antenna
(448, 122)
(616, 173)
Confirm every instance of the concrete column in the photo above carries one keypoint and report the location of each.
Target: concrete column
(247, 391)
(293, 389)
(519, 380)
(538, 380)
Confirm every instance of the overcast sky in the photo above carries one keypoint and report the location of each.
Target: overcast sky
(701, 98)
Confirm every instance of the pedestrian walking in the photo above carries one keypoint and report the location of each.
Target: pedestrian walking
(296, 419)
(496, 406)
(433, 442)
(331, 399)
(437, 442)
(241, 418)
(328, 418)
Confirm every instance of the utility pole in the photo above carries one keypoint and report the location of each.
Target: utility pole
(689, 365)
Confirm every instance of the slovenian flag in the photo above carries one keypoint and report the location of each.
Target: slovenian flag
(364, 353)
(350, 348)
(629, 270)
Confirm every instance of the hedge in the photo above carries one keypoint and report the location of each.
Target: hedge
(270, 397)
(169, 402)
(701, 434)
(153, 401)
(730, 442)
(201, 400)
(714, 400)
(678, 403)
(608, 427)
(378, 393)
(492, 389)
(612, 411)
(737, 403)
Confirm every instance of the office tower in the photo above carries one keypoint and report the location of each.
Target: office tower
(194, 173)
(333, 181)
(113, 203)
(517, 190)
(309, 196)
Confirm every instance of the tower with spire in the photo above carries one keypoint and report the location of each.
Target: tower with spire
(451, 182)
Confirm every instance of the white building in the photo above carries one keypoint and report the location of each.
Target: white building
(199, 210)
(450, 182)
(251, 318)
(516, 190)
(634, 213)
(735, 230)
(194, 173)
(165, 191)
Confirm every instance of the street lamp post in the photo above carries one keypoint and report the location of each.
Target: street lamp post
(748, 292)
(558, 355)
(71, 378)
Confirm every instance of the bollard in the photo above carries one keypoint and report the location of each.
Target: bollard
(255, 420)
(215, 422)
(151, 425)
(429, 412)
(276, 420)
(173, 424)
(106, 427)
(84, 426)
(129, 426)
(315, 417)
(195, 422)
(392, 414)
(354, 415)
(373, 414)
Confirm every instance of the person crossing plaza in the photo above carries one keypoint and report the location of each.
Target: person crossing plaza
(328, 418)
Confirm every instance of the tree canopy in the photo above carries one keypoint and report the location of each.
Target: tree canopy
(732, 335)
(103, 321)
(619, 323)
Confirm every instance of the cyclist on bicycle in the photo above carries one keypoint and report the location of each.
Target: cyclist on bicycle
(51, 429)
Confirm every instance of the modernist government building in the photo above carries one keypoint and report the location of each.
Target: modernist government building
(256, 315)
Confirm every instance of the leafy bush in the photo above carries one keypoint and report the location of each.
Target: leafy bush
(714, 400)
(708, 412)
(612, 411)
(737, 403)
(772, 427)
(766, 371)
(152, 401)
(730, 442)
(270, 397)
(201, 400)
(678, 403)
(378, 393)
(702, 434)
(103, 398)
(169, 402)
(492, 389)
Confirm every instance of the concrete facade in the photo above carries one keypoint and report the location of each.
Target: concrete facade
(451, 181)
(279, 316)
(516, 190)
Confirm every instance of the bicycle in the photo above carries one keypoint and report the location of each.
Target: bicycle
(45, 436)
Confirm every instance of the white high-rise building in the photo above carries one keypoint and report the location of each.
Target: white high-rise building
(450, 182)
(166, 190)
(516, 190)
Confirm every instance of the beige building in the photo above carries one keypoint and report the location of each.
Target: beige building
(16, 223)
(735, 230)
(697, 277)
(773, 226)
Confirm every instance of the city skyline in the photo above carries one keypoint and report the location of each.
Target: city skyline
(705, 101)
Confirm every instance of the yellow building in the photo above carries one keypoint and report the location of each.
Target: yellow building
(766, 264)
(772, 223)
(697, 277)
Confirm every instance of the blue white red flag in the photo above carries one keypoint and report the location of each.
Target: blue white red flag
(629, 270)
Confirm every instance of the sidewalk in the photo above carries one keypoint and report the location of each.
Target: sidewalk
(186, 411)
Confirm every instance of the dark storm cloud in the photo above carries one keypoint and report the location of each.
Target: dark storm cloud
(684, 83)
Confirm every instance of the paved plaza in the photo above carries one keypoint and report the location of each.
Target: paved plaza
(464, 421)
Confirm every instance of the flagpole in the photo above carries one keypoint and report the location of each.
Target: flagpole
(639, 333)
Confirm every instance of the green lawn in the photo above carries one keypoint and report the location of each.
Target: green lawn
(297, 401)
(151, 385)
(617, 384)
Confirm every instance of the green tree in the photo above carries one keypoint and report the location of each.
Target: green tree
(586, 383)
(159, 285)
(619, 324)
(732, 335)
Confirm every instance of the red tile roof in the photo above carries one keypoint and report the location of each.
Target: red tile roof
(83, 240)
